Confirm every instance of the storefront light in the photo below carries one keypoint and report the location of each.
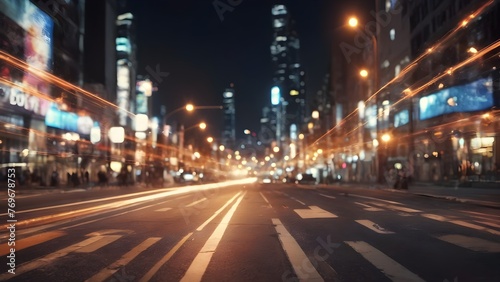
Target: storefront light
(116, 134)
(95, 134)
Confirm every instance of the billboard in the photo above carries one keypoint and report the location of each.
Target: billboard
(26, 32)
(471, 97)
(401, 118)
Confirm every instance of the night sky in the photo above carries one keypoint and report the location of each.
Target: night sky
(203, 54)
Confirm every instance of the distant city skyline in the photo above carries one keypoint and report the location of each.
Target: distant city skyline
(203, 55)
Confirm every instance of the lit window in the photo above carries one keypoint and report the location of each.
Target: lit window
(392, 34)
(387, 5)
(281, 38)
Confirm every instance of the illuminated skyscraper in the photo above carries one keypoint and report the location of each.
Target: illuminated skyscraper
(288, 74)
(229, 133)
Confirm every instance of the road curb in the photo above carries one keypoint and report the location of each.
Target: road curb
(450, 198)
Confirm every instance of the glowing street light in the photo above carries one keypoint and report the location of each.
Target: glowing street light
(386, 138)
(210, 139)
(363, 73)
(353, 22)
(189, 107)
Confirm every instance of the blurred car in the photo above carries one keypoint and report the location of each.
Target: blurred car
(305, 178)
(265, 179)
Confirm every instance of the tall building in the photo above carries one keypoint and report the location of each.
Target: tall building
(228, 103)
(100, 47)
(126, 67)
(288, 74)
(47, 36)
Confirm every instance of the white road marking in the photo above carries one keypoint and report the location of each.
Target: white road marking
(314, 212)
(392, 269)
(31, 241)
(265, 199)
(217, 212)
(364, 205)
(373, 226)
(328, 196)
(298, 259)
(46, 260)
(163, 209)
(471, 243)
(372, 198)
(368, 208)
(126, 258)
(461, 223)
(196, 202)
(160, 263)
(392, 207)
(488, 223)
(300, 202)
(482, 214)
(107, 239)
(200, 263)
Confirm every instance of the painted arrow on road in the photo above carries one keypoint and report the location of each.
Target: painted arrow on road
(314, 212)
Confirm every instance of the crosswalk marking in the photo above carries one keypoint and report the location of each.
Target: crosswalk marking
(107, 239)
(31, 241)
(461, 223)
(314, 212)
(163, 210)
(471, 243)
(50, 257)
(126, 258)
(392, 269)
(200, 263)
(296, 255)
(373, 226)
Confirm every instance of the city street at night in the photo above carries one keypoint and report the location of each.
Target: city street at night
(246, 231)
(250, 140)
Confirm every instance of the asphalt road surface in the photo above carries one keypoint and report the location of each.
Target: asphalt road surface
(245, 231)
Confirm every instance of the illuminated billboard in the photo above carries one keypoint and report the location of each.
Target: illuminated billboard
(401, 118)
(471, 97)
(26, 32)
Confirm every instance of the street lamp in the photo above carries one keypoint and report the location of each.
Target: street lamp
(354, 23)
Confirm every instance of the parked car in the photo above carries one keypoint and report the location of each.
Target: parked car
(305, 178)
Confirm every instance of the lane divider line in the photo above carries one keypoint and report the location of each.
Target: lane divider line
(200, 263)
(298, 259)
(392, 269)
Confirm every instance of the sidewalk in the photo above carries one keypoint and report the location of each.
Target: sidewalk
(487, 197)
